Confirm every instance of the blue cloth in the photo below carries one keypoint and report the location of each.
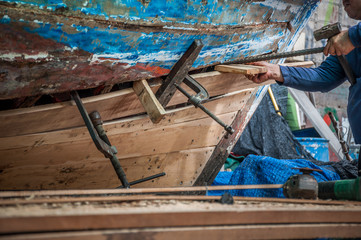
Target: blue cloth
(222, 178)
(330, 75)
(267, 170)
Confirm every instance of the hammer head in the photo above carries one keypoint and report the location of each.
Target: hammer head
(327, 31)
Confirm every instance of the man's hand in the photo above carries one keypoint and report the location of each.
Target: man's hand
(339, 44)
(273, 72)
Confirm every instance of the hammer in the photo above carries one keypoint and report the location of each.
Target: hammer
(325, 32)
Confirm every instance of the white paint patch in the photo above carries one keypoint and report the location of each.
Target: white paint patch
(37, 21)
(281, 6)
(145, 58)
(252, 45)
(13, 56)
(66, 48)
(41, 55)
(6, 17)
(179, 28)
(163, 56)
(9, 56)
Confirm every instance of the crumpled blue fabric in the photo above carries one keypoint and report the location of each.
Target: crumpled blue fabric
(267, 170)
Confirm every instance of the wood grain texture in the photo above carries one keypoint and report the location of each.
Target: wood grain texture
(111, 106)
(241, 68)
(138, 214)
(179, 145)
(98, 195)
(149, 101)
(264, 231)
(219, 105)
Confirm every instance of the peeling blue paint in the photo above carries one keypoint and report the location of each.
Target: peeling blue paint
(182, 11)
(116, 43)
(150, 35)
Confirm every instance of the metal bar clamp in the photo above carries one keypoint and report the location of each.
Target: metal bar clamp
(94, 125)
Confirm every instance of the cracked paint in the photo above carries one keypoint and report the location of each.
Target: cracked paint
(134, 39)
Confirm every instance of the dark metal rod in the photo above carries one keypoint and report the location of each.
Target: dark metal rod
(340, 137)
(119, 171)
(145, 179)
(100, 144)
(84, 115)
(229, 129)
(103, 147)
(277, 56)
(98, 124)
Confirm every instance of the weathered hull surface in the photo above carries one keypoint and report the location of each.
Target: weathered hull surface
(53, 46)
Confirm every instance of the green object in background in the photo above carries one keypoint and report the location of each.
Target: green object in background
(232, 162)
(349, 189)
(291, 116)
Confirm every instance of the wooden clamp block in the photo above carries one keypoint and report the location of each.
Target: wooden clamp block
(150, 103)
(241, 68)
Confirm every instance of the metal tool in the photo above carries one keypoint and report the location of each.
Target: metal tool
(179, 74)
(349, 189)
(302, 185)
(339, 135)
(102, 142)
(197, 99)
(325, 32)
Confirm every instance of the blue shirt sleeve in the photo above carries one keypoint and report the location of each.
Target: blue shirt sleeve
(355, 35)
(323, 78)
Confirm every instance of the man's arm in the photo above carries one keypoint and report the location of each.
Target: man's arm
(324, 78)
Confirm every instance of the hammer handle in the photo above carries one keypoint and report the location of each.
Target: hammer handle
(346, 67)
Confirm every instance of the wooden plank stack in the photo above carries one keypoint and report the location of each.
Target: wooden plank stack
(95, 214)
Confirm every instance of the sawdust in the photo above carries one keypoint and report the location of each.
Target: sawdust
(159, 206)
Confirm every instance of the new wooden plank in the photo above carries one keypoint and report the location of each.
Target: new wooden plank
(219, 105)
(111, 106)
(317, 121)
(264, 231)
(241, 68)
(95, 171)
(68, 159)
(77, 218)
(150, 103)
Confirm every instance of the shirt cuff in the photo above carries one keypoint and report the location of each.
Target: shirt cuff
(285, 73)
(355, 35)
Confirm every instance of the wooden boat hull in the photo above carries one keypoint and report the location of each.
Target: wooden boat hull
(49, 47)
(190, 147)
